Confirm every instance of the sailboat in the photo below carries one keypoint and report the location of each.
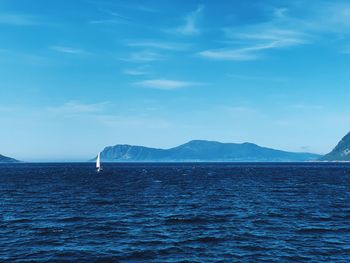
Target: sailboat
(98, 163)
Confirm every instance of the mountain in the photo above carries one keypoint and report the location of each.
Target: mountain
(341, 152)
(202, 151)
(5, 159)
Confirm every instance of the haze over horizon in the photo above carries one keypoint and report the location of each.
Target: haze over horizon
(77, 76)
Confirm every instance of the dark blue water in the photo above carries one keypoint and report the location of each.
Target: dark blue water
(175, 213)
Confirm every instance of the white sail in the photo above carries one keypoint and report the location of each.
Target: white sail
(98, 162)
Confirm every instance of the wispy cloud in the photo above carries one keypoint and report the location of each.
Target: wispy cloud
(68, 50)
(166, 84)
(117, 15)
(250, 42)
(268, 34)
(257, 78)
(190, 27)
(106, 21)
(112, 18)
(240, 54)
(18, 19)
(147, 9)
(159, 45)
(144, 56)
(255, 40)
(75, 107)
(134, 72)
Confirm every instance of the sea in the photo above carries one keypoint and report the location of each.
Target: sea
(175, 212)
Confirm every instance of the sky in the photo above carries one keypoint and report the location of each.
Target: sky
(76, 76)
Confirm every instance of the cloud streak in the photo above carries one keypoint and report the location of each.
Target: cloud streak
(240, 54)
(106, 21)
(134, 72)
(284, 37)
(165, 84)
(159, 45)
(144, 56)
(68, 50)
(254, 41)
(190, 27)
(249, 42)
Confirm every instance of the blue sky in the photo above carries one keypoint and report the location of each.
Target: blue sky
(80, 75)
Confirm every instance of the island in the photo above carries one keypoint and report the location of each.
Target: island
(5, 159)
(203, 151)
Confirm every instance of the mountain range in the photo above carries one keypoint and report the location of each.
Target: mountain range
(203, 151)
(212, 151)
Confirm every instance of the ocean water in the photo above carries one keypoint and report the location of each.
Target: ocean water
(175, 213)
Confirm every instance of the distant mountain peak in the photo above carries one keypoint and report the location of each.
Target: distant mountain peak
(200, 142)
(341, 151)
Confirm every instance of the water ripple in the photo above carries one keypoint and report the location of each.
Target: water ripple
(175, 213)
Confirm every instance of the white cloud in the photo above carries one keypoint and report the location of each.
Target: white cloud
(239, 54)
(158, 45)
(144, 56)
(112, 18)
(249, 42)
(117, 15)
(165, 84)
(190, 27)
(268, 34)
(285, 29)
(68, 50)
(106, 21)
(147, 9)
(134, 72)
(258, 78)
